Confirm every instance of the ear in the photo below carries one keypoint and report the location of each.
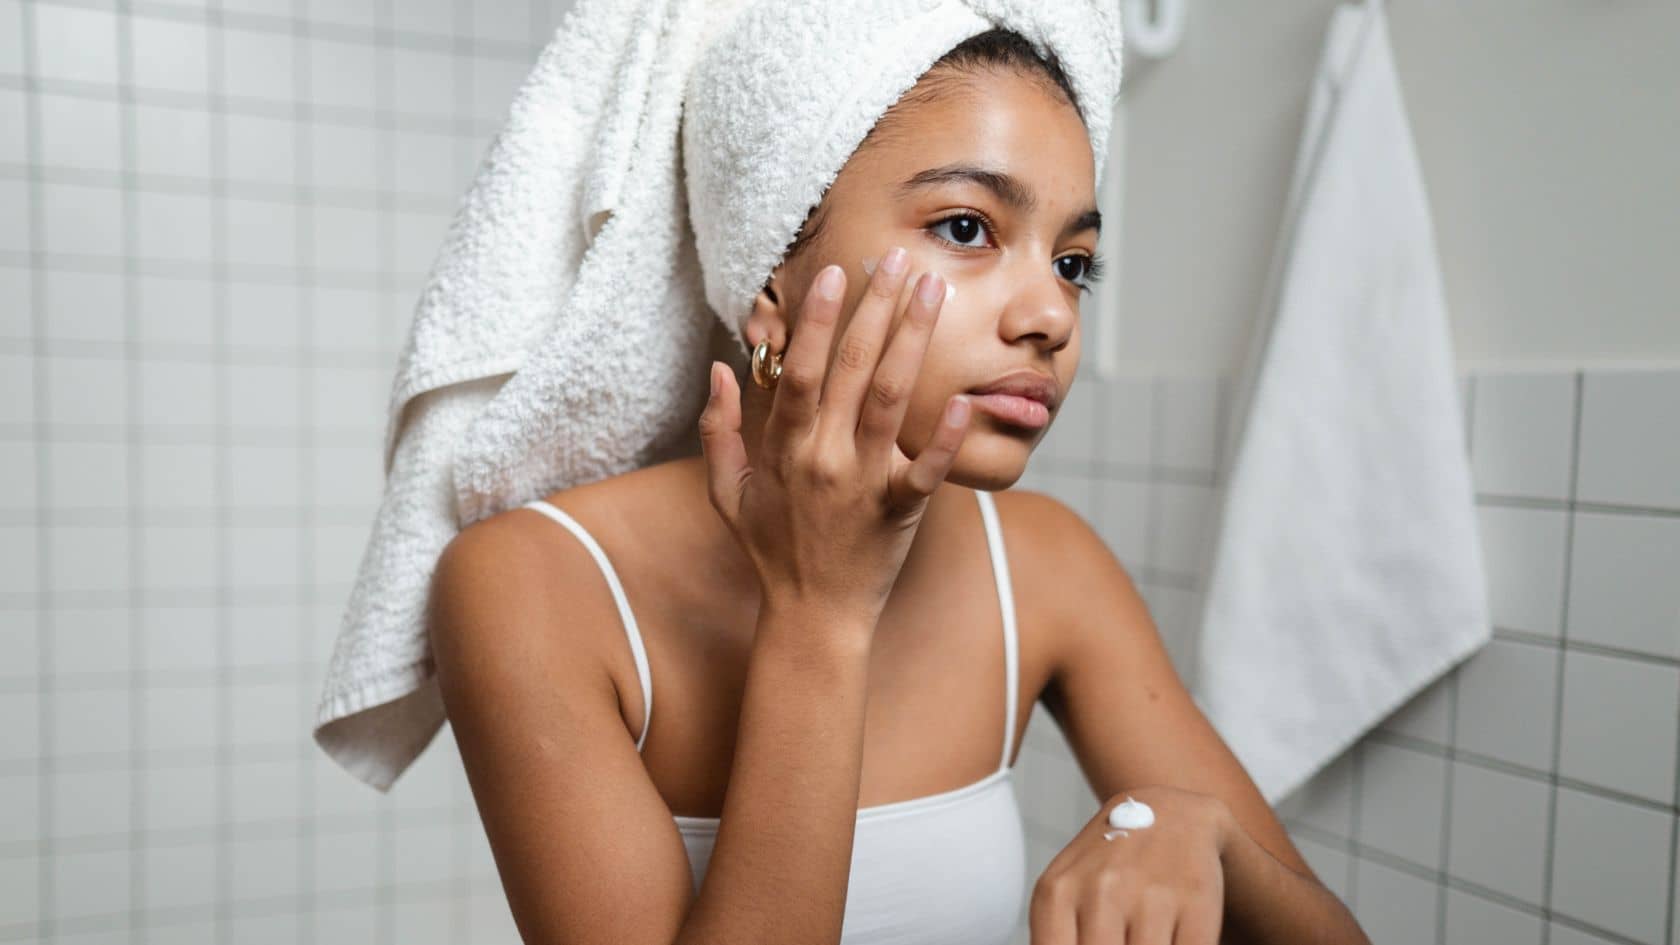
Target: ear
(769, 316)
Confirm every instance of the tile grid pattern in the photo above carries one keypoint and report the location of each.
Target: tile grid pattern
(352, 866)
(1530, 795)
(269, 842)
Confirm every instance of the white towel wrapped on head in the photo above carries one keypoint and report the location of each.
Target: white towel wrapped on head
(655, 166)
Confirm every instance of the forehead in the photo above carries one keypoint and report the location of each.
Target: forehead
(996, 118)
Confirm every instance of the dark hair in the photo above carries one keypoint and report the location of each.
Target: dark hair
(994, 49)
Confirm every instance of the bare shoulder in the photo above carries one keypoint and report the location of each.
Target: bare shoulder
(581, 837)
(1064, 573)
(512, 574)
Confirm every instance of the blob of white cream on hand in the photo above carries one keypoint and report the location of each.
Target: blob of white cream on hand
(1128, 815)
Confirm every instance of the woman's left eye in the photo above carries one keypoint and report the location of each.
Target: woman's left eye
(964, 227)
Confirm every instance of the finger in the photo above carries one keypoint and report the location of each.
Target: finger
(1151, 921)
(916, 480)
(1102, 921)
(1051, 920)
(793, 407)
(1200, 924)
(860, 348)
(720, 441)
(895, 377)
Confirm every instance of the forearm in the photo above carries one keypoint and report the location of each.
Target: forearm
(782, 857)
(1267, 903)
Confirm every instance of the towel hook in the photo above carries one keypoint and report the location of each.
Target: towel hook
(1155, 36)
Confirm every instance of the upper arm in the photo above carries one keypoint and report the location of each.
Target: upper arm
(1114, 690)
(585, 845)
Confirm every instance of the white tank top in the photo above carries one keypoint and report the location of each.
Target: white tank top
(943, 868)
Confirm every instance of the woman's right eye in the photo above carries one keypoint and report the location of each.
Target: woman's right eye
(963, 227)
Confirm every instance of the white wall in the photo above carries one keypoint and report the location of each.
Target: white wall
(1549, 137)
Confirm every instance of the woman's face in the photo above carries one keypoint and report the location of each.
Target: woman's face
(1015, 242)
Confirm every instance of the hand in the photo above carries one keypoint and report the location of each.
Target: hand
(1158, 885)
(828, 511)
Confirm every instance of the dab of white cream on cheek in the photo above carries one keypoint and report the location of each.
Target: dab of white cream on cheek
(869, 269)
(1128, 815)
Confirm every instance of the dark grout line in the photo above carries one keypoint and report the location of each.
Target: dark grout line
(45, 622)
(1550, 872)
(138, 680)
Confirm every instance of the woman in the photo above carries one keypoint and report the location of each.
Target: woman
(829, 566)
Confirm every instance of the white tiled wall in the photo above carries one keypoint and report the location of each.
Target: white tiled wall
(1529, 797)
(214, 220)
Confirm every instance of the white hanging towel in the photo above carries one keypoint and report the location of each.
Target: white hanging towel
(1346, 570)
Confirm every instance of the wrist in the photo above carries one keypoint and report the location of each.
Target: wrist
(845, 628)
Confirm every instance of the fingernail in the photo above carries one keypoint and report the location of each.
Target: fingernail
(895, 260)
(713, 371)
(828, 282)
(957, 412)
(930, 288)
(869, 265)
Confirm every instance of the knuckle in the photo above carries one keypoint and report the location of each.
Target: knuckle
(823, 468)
(1110, 880)
(888, 391)
(797, 376)
(1050, 890)
(883, 286)
(854, 353)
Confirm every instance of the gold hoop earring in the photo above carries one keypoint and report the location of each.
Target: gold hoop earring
(766, 368)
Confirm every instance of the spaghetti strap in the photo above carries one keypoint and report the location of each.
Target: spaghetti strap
(629, 619)
(1006, 602)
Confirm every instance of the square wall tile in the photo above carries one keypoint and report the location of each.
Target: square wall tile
(1611, 865)
(1622, 591)
(1525, 551)
(90, 391)
(76, 44)
(1071, 439)
(90, 883)
(1123, 519)
(81, 220)
(90, 804)
(180, 876)
(84, 306)
(174, 141)
(172, 55)
(1522, 434)
(1185, 517)
(1497, 837)
(1325, 801)
(1125, 425)
(1186, 422)
(88, 558)
(1424, 715)
(1507, 698)
(1393, 906)
(1619, 724)
(257, 64)
(1630, 451)
(81, 133)
(1402, 797)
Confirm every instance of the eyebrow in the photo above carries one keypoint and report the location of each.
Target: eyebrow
(1006, 187)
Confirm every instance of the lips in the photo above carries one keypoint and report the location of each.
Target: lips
(1024, 398)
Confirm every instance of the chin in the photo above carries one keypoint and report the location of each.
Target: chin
(991, 460)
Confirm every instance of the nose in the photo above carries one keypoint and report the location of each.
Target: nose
(1039, 310)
